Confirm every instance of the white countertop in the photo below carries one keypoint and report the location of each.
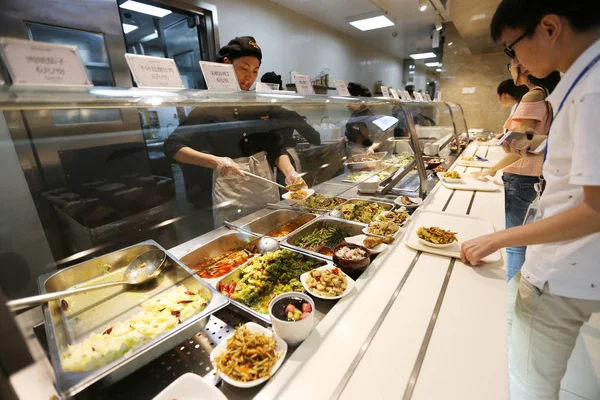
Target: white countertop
(389, 343)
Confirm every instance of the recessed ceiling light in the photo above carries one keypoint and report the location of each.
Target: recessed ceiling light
(432, 64)
(145, 9)
(423, 5)
(422, 56)
(367, 24)
(129, 28)
(439, 23)
(438, 69)
(450, 44)
(411, 72)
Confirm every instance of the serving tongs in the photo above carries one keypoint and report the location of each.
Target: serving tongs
(294, 187)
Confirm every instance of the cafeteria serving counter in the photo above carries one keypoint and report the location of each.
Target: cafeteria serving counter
(417, 326)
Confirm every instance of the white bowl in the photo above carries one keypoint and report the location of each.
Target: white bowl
(293, 332)
(438, 246)
(309, 192)
(417, 200)
(359, 240)
(190, 387)
(254, 328)
(369, 186)
(349, 282)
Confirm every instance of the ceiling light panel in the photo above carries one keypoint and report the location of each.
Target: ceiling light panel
(368, 24)
(129, 28)
(145, 8)
(432, 64)
(423, 4)
(423, 56)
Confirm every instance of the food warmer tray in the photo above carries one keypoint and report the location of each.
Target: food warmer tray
(93, 311)
(277, 219)
(355, 165)
(236, 275)
(387, 206)
(354, 228)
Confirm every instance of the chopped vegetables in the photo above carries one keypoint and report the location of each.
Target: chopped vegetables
(383, 228)
(398, 217)
(452, 175)
(361, 211)
(436, 235)
(322, 239)
(351, 253)
(220, 266)
(321, 201)
(248, 356)
(328, 283)
(298, 194)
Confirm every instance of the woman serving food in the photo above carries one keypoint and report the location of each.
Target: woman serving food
(215, 145)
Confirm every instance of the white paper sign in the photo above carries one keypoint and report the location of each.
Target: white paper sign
(385, 122)
(341, 87)
(154, 72)
(219, 76)
(262, 87)
(43, 64)
(394, 94)
(407, 95)
(303, 84)
(418, 96)
(385, 91)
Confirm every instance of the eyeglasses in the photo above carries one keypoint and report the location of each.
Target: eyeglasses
(509, 51)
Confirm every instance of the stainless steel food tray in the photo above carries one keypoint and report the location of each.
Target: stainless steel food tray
(385, 205)
(354, 228)
(95, 311)
(358, 165)
(277, 219)
(237, 275)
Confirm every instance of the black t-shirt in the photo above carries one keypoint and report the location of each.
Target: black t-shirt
(232, 132)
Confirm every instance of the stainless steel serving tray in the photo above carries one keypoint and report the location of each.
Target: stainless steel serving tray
(385, 205)
(354, 228)
(237, 275)
(94, 311)
(277, 219)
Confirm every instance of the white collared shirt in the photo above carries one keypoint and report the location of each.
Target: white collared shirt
(571, 268)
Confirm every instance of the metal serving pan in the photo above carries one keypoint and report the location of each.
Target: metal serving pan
(96, 310)
(277, 219)
(354, 228)
(237, 275)
(355, 165)
(385, 205)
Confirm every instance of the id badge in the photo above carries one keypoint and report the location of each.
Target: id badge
(534, 211)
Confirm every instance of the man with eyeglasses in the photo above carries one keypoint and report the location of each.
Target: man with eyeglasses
(560, 284)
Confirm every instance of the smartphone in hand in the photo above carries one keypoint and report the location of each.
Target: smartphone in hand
(536, 143)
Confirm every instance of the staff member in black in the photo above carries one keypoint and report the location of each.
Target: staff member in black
(216, 144)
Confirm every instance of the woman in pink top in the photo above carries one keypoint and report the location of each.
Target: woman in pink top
(521, 174)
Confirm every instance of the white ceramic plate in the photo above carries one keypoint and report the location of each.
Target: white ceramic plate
(254, 328)
(349, 281)
(439, 246)
(417, 200)
(359, 240)
(386, 212)
(190, 387)
(309, 192)
(365, 230)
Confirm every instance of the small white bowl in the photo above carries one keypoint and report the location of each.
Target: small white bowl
(438, 246)
(349, 282)
(287, 195)
(448, 180)
(359, 240)
(281, 350)
(417, 200)
(369, 186)
(293, 332)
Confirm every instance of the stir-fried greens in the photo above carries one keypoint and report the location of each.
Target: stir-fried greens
(323, 239)
(269, 275)
(361, 211)
(321, 201)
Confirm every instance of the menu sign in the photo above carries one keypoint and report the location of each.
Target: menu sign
(219, 76)
(303, 84)
(341, 87)
(43, 64)
(418, 96)
(407, 95)
(385, 91)
(154, 72)
(394, 94)
(262, 87)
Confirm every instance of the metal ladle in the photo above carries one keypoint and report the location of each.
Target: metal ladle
(265, 244)
(143, 268)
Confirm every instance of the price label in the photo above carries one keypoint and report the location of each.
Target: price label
(341, 87)
(394, 94)
(219, 76)
(303, 84)
(418, 96)
(154, 72)
(43, 64)
(262, 87)
(385, 91)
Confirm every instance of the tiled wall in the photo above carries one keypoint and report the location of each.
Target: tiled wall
(483, 72)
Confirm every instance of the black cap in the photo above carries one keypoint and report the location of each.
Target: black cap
(240, 47)
(356, 89)
(272, 77)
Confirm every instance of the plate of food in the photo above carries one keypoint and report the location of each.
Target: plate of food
(435, 236)
(298, 196)
(408, 202)
(450, 176)
(374, 244)
(327, 283)
(352, 258)
(322, 202)
(363, 211)
(399, 217)
(389, 229)
(249, 357)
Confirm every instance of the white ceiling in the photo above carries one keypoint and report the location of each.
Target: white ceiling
(413, 27)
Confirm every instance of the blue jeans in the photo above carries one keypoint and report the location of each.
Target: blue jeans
(519, 193)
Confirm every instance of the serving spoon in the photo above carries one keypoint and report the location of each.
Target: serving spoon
(142, 269)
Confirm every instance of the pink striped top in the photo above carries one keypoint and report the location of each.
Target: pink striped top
(540, 112)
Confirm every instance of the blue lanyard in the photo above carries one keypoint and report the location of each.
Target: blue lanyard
(575, 82)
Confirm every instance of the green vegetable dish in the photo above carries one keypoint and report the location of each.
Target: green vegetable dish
(269, 275)
(322, 202)
(361, 211)
(323, 239)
